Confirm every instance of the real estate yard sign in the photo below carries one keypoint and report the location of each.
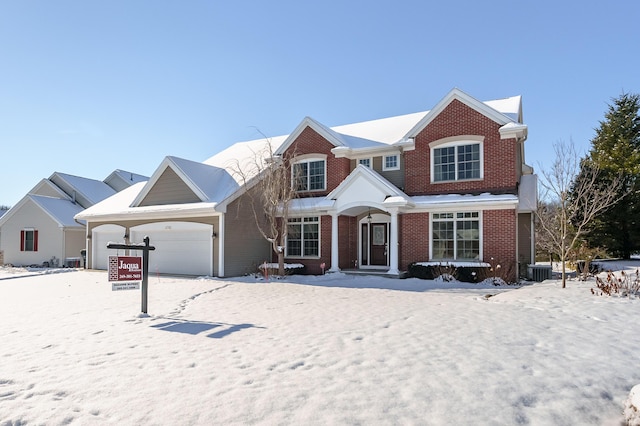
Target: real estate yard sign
(123, 270)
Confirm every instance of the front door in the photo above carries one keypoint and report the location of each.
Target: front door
(379, 244)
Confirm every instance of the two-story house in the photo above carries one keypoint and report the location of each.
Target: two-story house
(445, 185)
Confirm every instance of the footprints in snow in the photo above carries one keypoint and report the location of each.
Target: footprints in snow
(183, 305)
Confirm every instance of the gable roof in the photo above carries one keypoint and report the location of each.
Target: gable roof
(87, 191)
(373, 178)
(47, 188)
(485, 108)
(208, 183)
(121, 179)
(61, 210)
(120, 207)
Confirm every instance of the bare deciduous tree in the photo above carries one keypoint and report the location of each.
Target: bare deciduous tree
(266, 179)
(568, 204)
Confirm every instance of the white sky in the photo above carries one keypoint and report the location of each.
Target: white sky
(88, 87)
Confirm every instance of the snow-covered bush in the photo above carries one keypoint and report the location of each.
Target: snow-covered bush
(271, 269)
(632, 407)
(625, 285)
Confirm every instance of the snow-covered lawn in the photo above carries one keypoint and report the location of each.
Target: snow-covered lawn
(312, 350)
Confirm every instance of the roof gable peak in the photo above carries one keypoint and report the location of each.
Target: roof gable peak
(466, 99)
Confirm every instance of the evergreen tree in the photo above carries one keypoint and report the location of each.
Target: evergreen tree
(615, 150)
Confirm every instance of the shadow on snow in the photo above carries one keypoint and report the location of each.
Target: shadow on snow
(197, 327)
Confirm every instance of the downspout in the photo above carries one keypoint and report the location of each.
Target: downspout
(221, 237)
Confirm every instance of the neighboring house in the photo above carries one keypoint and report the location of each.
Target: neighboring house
(41, 230)
(447, 185)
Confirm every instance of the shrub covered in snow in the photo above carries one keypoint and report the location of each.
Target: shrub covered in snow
(271, 269)
(632, 407)
(624, 285)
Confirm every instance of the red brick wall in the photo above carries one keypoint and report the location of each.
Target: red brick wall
(310, 142)
(499, 237)
(413, 238)
(347, 245)
(458, 119)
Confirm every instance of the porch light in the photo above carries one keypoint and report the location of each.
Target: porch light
(369, 216)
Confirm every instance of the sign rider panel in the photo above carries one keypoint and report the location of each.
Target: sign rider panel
(125, 268)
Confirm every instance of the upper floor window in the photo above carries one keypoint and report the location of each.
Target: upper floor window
(391, 162)
(461, 161)
(309, 175)
(365, 162)
(29, 240)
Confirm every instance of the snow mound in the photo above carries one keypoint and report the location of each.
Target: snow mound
(632, 407)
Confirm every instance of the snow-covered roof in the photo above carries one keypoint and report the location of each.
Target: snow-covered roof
(213, 183)
(118, 207)
(460, 201)
(60, 210)
(379, 133)
(91, 189)
(121, 179)
(245, 158)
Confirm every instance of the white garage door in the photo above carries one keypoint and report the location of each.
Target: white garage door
(100, 237)
(181, 247)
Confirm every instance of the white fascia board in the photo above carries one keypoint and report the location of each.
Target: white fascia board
(513, 130)
(167, 211)
(464, 202)
(371, 176)
(398, 201)
(310, 205)
(406, 144)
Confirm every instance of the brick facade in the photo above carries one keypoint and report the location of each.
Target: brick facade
(458, 119)
(500, 175)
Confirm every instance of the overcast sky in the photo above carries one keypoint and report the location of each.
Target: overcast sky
(87, 87)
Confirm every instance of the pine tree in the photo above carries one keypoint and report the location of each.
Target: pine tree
(615, 150)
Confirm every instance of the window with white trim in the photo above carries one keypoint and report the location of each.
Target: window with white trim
(28, 240)
(303, 237)
(365, 162)
(391, 162)
(309, 175)
(455, 236)
(461, 161)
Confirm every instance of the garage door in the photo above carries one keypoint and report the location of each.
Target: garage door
(181, 247)
(100, 237)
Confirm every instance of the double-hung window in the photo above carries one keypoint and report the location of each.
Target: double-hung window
(462, 161)
(391, 162)
(365, 162)
(309, 175)
(303, 237)
(29, 240)
(455, 236)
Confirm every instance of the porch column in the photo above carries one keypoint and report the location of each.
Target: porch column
(393, 243)
(335, 258)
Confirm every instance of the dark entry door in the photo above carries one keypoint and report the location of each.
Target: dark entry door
(378, 239)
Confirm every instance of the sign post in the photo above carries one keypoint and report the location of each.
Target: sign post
(146, 248)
